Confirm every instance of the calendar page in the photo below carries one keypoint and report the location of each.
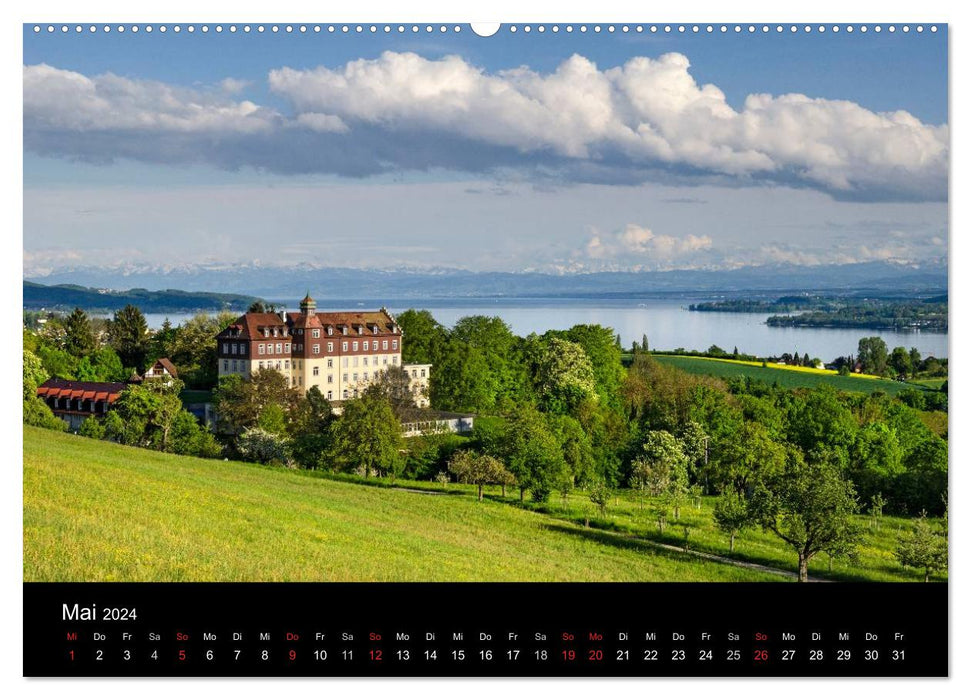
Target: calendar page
(522, 349)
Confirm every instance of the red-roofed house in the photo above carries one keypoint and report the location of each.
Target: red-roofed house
(73, 402)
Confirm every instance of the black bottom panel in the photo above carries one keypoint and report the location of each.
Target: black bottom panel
(484, 629)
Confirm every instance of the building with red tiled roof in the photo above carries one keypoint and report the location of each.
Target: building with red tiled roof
(339, 352)
(73, 402)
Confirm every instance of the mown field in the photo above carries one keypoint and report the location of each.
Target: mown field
(788, 377)
(95, 511)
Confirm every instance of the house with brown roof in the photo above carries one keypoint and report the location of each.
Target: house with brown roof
(74, 402)
(339, 352)
(162, 369)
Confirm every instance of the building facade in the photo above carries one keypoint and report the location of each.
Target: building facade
(340, 353)
(74, 402)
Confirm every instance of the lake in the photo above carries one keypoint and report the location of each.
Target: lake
(667, 323)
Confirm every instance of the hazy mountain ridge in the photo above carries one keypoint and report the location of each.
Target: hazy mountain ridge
(281, 283)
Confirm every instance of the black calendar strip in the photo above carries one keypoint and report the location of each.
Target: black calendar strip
(485, 629)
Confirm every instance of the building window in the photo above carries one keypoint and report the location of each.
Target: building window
(316, 371)
(394, 359)
(234, 365)
(316, 333)
(330, 378)
(344, 363)
(300, 331)
(345, 377)
(356, 361)
(394, 344)
(365, 346)
(242, 348)
(330, 363)
(286, 365)
(385, 358)
(330, 395)
(225, 348)
(261, 364)
(345, 393)
(330, 347)
(365, 361)
(355, 377)
(266, 332)
(414, 373)
(279, 348)
(316, 348)
(261, 349)
(355, 346)
(286, 348)
(344, 346)
(384, 344)
(225, 365)
(365, 376)
(423, 373)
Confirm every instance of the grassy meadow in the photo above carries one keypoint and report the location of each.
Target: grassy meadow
(786, 376)
(96, 511)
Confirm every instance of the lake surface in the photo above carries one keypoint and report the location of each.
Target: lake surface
(667, 323)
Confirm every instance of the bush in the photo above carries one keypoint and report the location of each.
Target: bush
(92, 428)
(37, 413)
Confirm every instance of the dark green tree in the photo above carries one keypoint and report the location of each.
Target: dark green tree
(128, 335)
(367, 436)
(78, 335)
(732, 516)
(872, 355)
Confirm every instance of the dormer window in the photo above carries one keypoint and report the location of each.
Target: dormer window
(330, 330)
(266, 332)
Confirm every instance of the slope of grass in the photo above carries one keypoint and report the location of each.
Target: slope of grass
(95, 511)
(785, 376)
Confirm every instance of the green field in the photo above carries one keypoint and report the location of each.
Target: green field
(788, 378)
(95, 511)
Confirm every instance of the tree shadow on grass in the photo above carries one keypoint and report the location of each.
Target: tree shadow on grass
(619, 541)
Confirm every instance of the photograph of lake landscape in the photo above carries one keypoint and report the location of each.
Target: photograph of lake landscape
(417, 305)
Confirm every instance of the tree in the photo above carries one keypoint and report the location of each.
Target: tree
(102, 365)
(472, 468)
(577, 449)
(257, 445)
(240, 402)
(533, 454)
(924, 479)
(604, 354)
(34, 375)
(193, 349)
(367, 436)
(462, 380)
(128, 335)
(78, 336)
(808, 505)
(923, 549)
(152, 405)
(732, 516)
(563, 374)
(915, 361)
(424, 337)
(900, 362)
(600, 497)
(875, 461)
(188, 437)
(394, 384)
(273, 419)
(872, 355)
(310, 424)
(661, 463)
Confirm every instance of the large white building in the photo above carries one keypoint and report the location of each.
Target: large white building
(338, 352)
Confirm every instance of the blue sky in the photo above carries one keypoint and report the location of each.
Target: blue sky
(643, 151)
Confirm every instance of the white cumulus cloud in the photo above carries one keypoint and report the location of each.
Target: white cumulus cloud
(640, 242)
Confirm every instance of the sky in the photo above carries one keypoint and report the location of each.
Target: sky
(560, 152)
